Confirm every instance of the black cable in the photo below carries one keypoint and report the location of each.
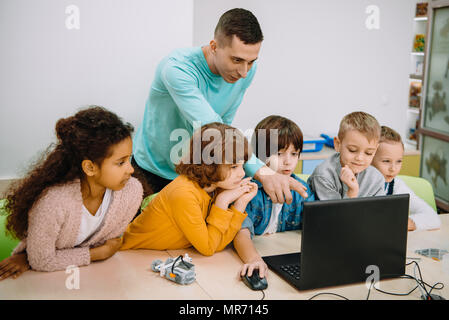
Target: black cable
(263, 297)
(420, 283)
(334, 294)
(174, 262)
(434, 287)
(423, 284)
(400, 294)
(369, 289)
(420, 277)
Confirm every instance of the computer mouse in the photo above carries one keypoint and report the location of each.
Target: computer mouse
(255, 282)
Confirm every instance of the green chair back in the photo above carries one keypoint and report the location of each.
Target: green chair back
(303, 176)
(7, 243)
(420, 186)
(147, 200)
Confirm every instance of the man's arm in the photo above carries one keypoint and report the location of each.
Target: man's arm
(278, 186)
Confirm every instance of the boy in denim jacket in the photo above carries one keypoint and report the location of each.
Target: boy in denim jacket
(277, 141)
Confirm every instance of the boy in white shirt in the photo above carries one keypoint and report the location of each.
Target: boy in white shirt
(388, 160)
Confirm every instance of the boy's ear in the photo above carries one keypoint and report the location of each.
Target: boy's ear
(337, 144)
(89, 168)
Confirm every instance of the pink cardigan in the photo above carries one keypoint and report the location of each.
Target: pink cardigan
(54, 222)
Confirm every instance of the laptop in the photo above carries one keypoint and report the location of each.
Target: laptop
(342, 242)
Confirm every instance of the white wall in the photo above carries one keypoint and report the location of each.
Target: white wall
(319, 62)
(48, 71)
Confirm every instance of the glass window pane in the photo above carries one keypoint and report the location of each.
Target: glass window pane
(436, 117)
(434, 165)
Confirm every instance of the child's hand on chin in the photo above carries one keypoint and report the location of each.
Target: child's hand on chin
(348, 178)
(247, 196)
(241, 203)
(228, 196)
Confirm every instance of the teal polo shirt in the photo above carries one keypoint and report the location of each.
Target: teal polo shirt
(184, 95)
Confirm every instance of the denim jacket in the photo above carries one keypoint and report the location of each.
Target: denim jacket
(260, 207)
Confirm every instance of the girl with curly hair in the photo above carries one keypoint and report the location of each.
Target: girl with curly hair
(76, 202)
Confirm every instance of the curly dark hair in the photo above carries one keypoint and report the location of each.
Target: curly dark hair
(239, 22)
(89, 134)
(219, 146)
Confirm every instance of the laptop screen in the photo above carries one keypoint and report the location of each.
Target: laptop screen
(342, 238)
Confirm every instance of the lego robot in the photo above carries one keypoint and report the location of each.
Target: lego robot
(179, 270)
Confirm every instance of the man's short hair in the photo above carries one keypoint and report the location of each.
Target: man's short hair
(239, 22)
(389, 135)
(362, 122)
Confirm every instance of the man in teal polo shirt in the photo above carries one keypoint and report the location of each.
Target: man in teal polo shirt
(201, 85)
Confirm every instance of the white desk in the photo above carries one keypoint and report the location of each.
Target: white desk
(127, 275)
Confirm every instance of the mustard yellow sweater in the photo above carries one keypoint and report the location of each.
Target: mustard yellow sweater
(178, 218)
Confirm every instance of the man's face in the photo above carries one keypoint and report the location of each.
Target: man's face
(234, 59)
(356, 151)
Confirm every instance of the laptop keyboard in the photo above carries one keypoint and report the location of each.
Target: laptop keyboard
(292, 270)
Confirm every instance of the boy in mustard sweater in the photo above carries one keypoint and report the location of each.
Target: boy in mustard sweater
(204, 206)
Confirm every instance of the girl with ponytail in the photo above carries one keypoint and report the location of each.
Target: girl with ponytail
(75, 203)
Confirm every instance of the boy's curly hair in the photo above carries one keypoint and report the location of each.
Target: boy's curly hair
(212, 150)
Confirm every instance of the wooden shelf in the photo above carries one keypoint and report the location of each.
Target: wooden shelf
(413, 110)
(420, 18)
(411, 142)
(416, 77)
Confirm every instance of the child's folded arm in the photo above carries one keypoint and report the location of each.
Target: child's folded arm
(234, 227)
(43, 230)
(205, 235)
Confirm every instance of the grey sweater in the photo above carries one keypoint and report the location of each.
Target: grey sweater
(326, 184)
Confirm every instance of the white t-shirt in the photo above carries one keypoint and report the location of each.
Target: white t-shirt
(89, 223)
(272, 226)
(424, 216)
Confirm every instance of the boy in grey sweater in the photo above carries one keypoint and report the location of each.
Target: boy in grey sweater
(348, 173)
